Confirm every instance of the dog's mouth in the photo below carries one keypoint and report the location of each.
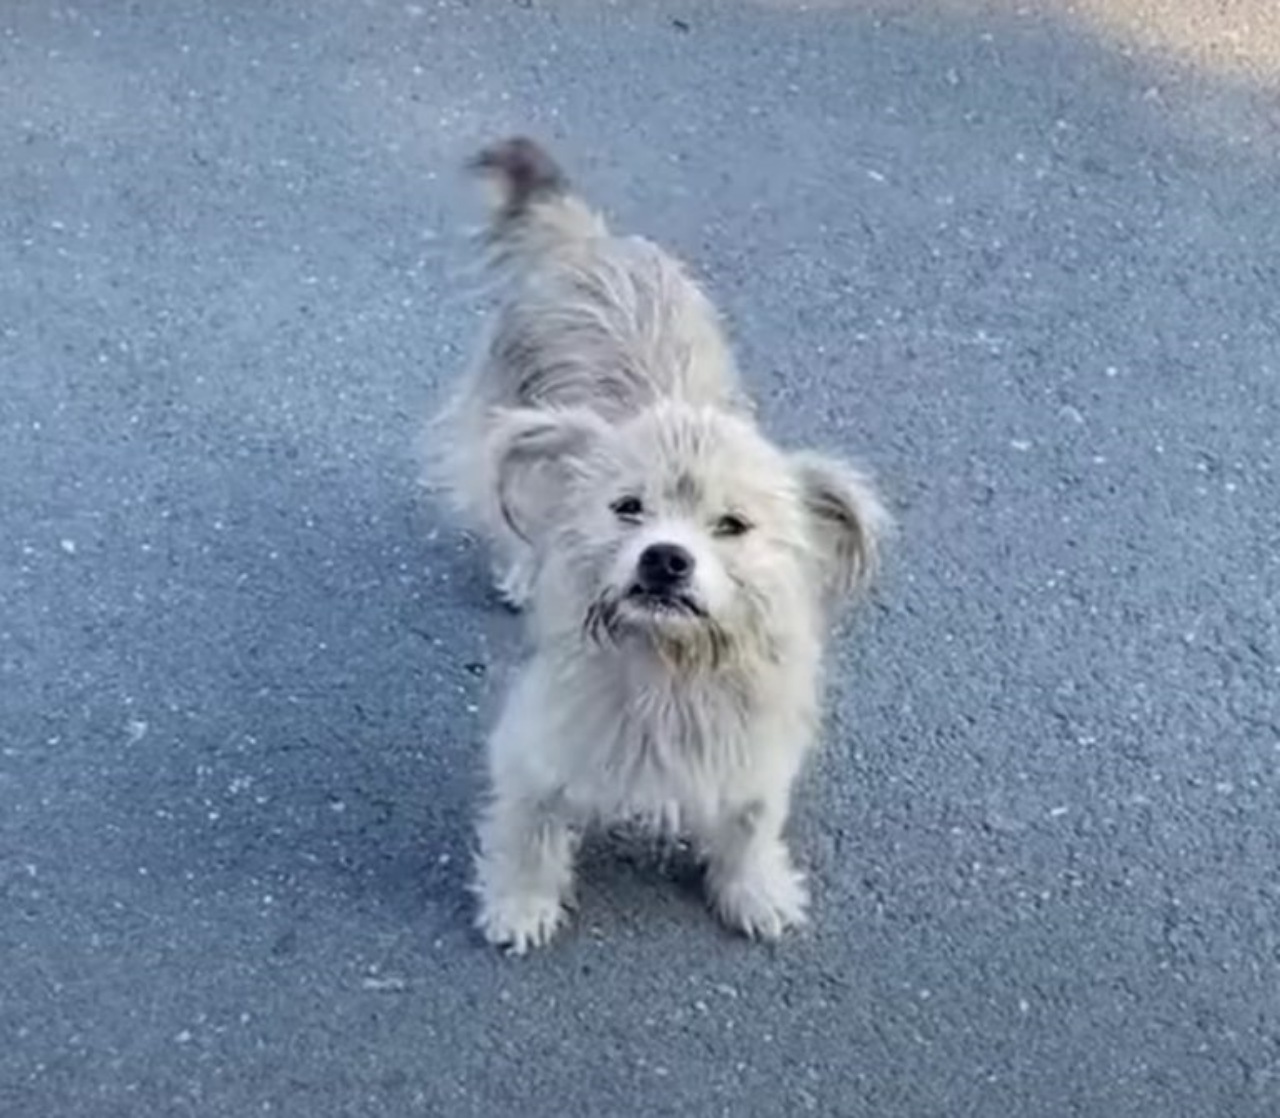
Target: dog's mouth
(637, 609)
(664, 604)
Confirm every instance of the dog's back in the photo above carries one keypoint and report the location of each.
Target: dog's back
(608, 322)
(587, 319)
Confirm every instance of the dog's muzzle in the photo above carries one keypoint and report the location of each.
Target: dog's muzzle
(664, 574)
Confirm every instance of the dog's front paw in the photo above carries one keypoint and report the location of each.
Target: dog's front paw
(763, 899)
(519, 921)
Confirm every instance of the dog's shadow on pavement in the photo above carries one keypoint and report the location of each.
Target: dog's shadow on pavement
(326, 669)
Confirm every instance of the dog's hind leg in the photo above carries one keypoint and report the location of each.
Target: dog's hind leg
(514, 567)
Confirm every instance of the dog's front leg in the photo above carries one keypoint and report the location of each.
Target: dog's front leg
(524, 871)
(754, 886)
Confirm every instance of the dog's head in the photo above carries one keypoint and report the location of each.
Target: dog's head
(683, 525)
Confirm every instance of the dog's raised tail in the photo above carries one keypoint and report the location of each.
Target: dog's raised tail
(533, 199)
(522, 172)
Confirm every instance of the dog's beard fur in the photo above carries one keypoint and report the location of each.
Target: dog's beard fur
(700, 642)
(604, 418)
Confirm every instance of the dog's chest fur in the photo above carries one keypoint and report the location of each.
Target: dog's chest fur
(671, 750)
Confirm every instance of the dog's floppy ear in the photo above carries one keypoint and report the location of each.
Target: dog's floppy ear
(847, 519)
(535, 452)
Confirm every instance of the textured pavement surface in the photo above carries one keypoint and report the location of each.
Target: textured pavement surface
(1025, 265)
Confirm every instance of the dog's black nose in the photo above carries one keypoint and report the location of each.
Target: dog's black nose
(664, 566)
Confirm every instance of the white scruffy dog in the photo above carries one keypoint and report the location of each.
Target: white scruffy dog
(680, 569)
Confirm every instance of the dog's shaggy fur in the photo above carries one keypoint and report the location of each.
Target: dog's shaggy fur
(680, 568)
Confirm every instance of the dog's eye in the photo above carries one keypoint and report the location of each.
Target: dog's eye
(628, 508)
(730, 525)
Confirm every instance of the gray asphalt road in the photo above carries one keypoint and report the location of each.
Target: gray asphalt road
(1024, 268)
